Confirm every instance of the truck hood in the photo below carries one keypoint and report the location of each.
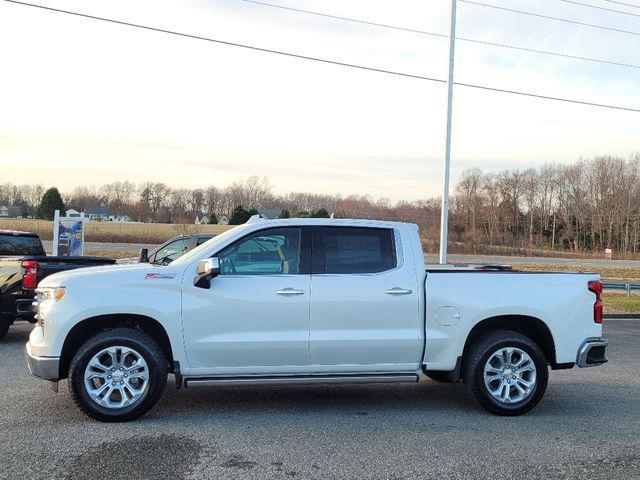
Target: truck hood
(110, 274)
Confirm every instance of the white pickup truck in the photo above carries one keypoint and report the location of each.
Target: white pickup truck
(308, 301)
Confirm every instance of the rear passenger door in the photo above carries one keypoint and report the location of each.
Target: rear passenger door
(364, 313)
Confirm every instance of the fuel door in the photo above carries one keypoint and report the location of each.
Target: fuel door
(447, 316)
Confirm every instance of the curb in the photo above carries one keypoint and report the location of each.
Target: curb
(628, 316)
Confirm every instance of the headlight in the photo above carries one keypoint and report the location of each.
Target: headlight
(50, 293)
(45, 298)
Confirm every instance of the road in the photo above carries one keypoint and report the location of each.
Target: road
(509, 260)
(133, 248)
(587, 427)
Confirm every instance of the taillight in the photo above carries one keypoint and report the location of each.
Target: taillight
(596, 287)
(30, 276)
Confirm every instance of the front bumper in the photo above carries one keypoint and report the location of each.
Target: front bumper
(47, 368)
(592, 352)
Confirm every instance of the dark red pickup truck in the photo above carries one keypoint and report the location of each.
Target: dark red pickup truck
(23, 263)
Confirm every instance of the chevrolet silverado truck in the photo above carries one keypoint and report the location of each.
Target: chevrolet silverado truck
(24, 263)
(311, 301)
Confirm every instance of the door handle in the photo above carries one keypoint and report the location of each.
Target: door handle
(289, 291)
(398, 291)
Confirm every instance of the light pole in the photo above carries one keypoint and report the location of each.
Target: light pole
(444, 219)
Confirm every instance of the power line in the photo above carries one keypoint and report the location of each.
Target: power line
(547, 17)
(322, 60)
(347, 19)
(224, 42)
(622, 3)
(469, 40)
(601, 8)
(547, 52)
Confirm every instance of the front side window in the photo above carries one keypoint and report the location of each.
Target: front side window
(268, 252)
(354, 250)
(170, 252)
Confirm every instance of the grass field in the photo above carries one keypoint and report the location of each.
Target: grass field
(611, 273)
(620, 303)
(112, 232)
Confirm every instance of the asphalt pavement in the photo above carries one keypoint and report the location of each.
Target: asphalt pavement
(587, 427)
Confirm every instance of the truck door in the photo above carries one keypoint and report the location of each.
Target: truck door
(365, 301)
(255, 316)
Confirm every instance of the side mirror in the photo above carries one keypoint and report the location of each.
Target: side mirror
(207, 269)
(144, 255)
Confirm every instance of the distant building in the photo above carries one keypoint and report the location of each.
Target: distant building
(8, 211)
(223, 220)
(202, 220)
(71, 213)
(100, 213)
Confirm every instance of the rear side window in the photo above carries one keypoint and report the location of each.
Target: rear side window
(20, 245)
(353, 250)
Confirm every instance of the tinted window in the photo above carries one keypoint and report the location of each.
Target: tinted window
(20, 245)
(268, 252)
(171, 251)
(354, 250)
(203, 239)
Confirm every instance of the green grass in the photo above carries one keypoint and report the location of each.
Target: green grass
(617, 303)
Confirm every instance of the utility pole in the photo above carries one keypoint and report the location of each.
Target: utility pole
(444, 219)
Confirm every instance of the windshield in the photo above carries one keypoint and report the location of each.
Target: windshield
(197, 252)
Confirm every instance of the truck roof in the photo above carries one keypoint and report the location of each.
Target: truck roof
(17, 233)
(328, 222)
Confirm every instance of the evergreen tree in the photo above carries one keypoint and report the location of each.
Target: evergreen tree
(51, 201)
(239, 215)
(321, 213)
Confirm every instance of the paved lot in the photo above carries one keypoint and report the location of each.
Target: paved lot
(588, 426)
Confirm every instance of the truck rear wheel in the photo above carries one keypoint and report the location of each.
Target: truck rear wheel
(506, 373)
(117, 375)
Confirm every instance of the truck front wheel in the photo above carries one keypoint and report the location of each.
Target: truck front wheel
(506, 373)
(5, 323)
(117, 375)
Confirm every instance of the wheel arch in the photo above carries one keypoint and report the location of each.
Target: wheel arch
(88, 327)
(534, 328)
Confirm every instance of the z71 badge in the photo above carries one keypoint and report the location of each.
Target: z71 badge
(159, 276)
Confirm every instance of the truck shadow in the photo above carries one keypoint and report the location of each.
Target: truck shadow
(18, 334)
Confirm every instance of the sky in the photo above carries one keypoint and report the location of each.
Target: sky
(84, 102)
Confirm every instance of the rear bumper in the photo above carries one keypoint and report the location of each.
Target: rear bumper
(47, 368)
(592, 352)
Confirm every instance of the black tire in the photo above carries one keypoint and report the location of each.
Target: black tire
(5, 323)
(442, 377)
(139, 341)
(481, 351)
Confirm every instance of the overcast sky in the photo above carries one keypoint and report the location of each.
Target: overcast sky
(87, 102)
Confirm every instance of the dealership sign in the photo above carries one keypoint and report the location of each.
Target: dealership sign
(68, 235)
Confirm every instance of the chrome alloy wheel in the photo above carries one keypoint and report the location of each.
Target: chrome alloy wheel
(510, 375)
(116, 377)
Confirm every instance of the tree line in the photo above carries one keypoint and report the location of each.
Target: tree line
(589, 205)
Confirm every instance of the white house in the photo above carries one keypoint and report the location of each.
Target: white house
(71, 213)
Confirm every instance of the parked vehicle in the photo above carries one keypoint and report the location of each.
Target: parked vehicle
(170, 250)
(302, 301)
(23, 264)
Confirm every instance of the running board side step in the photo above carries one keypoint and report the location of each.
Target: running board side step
(302, 380)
